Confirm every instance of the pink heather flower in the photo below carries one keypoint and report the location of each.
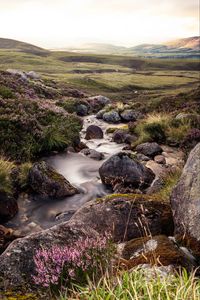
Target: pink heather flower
(54, 263)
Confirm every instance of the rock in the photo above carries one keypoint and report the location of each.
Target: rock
(8, 207)
(98, 102)
(111, 117)
(191, 139)
(17, 264)
(18, 72)
(45, 181)
(156, 250)
(126, 216)
(100, 114)
(32, 75)
(158, 169)
(82, 110)
(121, 170)
(149, 149)
(155, 187)
(122, 136)
(142, 157)
(130, 115)
(173, 156)
(185, 201)
(93, 132)
(160, 159)
(7, 235)
(91, 153)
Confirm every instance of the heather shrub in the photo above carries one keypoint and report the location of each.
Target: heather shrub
(58, 267)
(6, 92)
(191, 139)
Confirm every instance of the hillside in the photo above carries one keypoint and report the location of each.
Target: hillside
(13, 45)
(187, 47)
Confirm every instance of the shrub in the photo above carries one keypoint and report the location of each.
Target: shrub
(6, 92)
(191, 139)
(60, 266)
(27, 131)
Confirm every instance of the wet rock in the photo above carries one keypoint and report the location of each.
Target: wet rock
(160, 159)
(100, 114)
(130, 115)
(111, 117)
(185, 201)
(8, 207)
(45, 181)
(93, 132)
(98, 102)
(122, 136)
(91, 153)
(82, 110)
(127, 216)
(156, 250)
(149, 149)
(122, 170)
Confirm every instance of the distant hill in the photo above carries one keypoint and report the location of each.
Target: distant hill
(13, 45)
(187, 47)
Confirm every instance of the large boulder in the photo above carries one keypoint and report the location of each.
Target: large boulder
(127, 216)
(17, 263)
(8, 207)
(185, 202)
(156, 250)
(93, 132)
(45, 181)
(149, 149)
(120, 171)
(112, 117)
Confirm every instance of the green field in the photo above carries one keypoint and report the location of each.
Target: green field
(120, 77)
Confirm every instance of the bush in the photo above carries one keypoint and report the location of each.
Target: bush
(26, 131)
(58, 266)
(6, 92)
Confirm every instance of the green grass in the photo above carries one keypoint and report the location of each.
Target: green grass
(136, 285)
(6, 168)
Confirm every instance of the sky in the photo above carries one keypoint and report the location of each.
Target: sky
(64, 23)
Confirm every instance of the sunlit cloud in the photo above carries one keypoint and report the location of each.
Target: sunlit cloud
(125, 22)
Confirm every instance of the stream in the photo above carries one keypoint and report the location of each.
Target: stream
(82, 172)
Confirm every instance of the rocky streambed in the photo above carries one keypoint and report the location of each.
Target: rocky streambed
(139, 220)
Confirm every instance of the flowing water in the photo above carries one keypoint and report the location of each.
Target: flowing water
(36, 214)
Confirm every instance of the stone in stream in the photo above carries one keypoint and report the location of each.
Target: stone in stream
(8, 207)
(185, 201)
(45, 181)
(94, 132)
(91, 153)
(121, 136)
(111, 117)
(121, 171)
